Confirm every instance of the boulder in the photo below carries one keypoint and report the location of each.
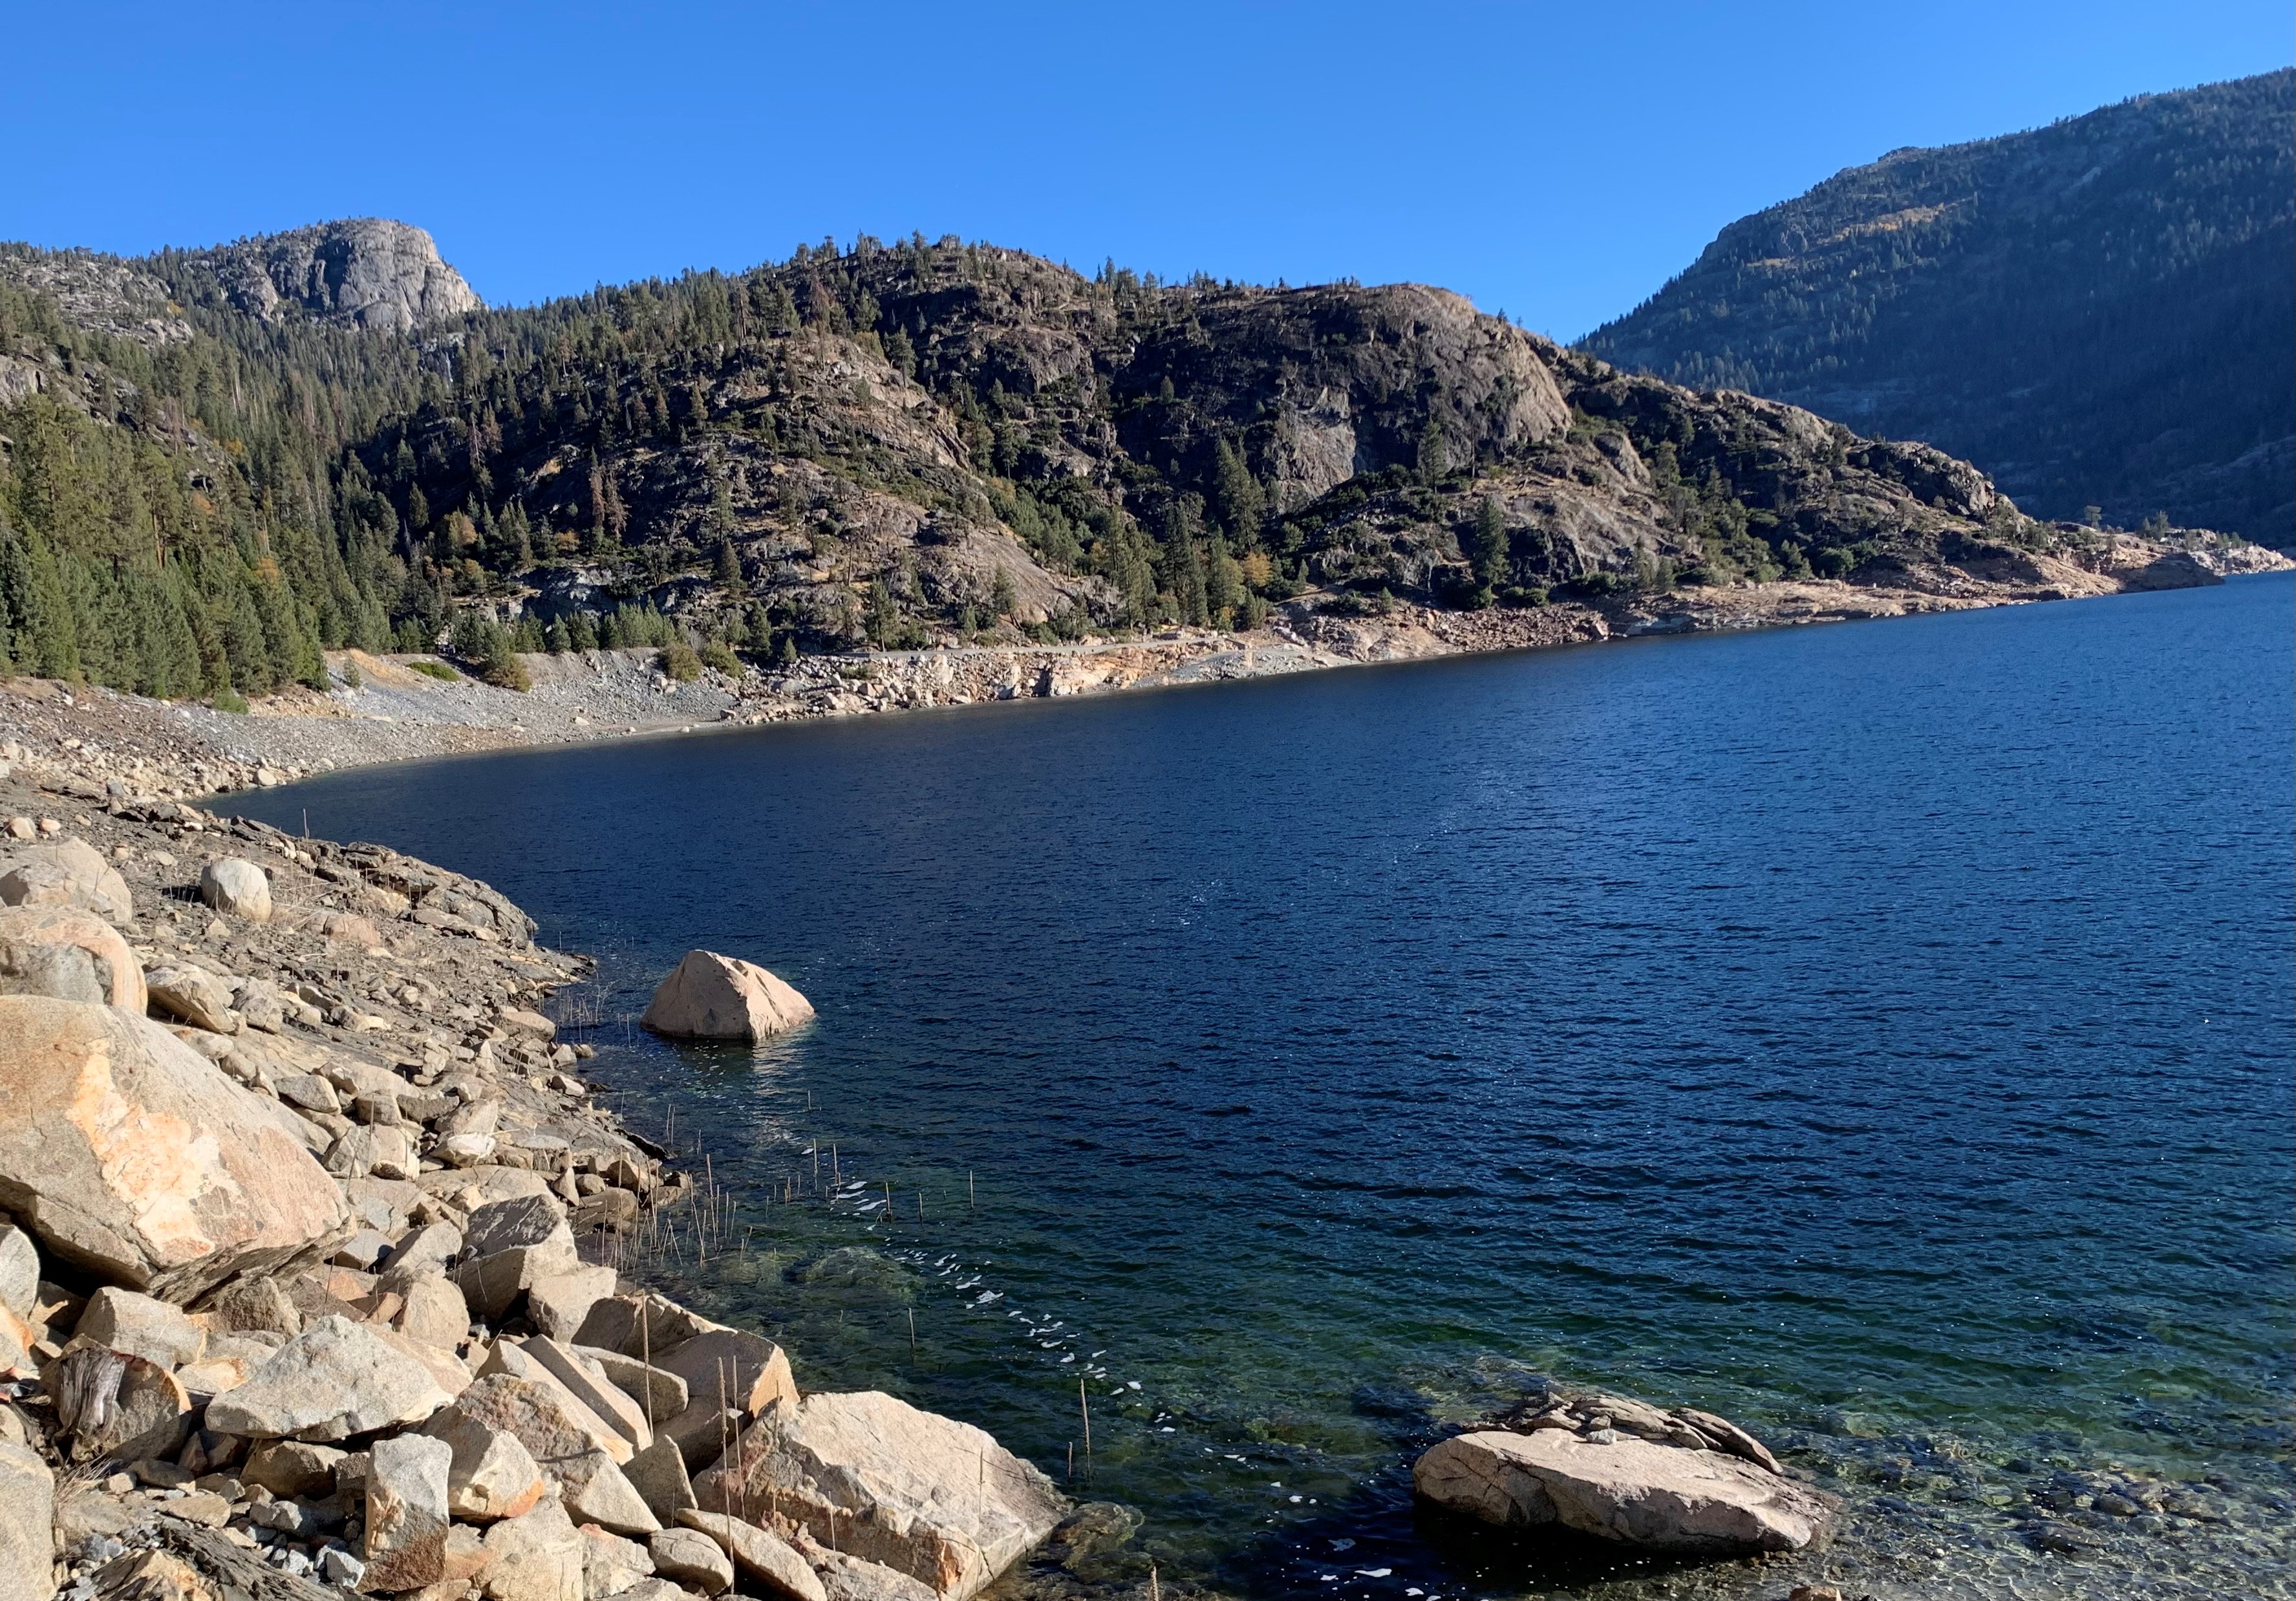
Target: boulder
(513, 1245)
(710, 996)
(492, 1475)
(689, 1557)
(292, 1468)
(335, 1379)
(237, 888)
(64, 872)
(595, 1491)
(406, 1515)
(766, 1558)
(1636, 1493)
(432, 1310)
(259, 1304)
(878, 1479)
(722, 1369)
(126, 1151)
(557, 1304)
(610, 1565)
(658, 1474)
(508, 1358)
(587, 1382)
(19, 1271)
(69, 954)
(659, 1392)
(28, 1497)
(552, 1426)
(191, 995)
(537, 1556)
(851, 1578)
(142, 1326)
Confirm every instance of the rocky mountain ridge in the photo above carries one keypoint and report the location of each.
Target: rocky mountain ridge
(2096, 312)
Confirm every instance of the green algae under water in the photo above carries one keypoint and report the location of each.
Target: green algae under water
(1882, 1035)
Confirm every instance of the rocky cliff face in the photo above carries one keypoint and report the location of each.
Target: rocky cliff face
(365, 273)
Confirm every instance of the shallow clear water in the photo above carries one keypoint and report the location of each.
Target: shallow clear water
(1882, 1034)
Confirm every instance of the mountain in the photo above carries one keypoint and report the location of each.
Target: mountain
(2097, 313)
(216, 463)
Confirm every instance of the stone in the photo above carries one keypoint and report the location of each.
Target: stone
(537, 1556)
(200, 1507)
(557, 1304)
(289, 1468)
(492, 1475)
(406, 1512)
(434, 1313)
(259, 1304)
(512, 1245)
(658, 1474)
(211, 1376)
(712, 997)
(552, 1426)
(149, 1575)
(588, 1383)
(851, 1578)
(528, 1023)
(595, 1489)
(361, 1250)
(311, 1091)
(432, 1246)
(1729, 1437)
(689, 1557)
(880, 1480)
(19, 1271)
(126, 1153)
(610, 1565)
(236, 888)
(28, 1497)
(71, 955)
(1634, 1492)
(64, 872)
(335, 1379)
(192, 994)
(367, 1150)
(768, 1558)
(727, 1368)
(142, 1326)
(658, 1391)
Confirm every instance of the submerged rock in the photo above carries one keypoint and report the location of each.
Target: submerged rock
(1662, 1497)
(710, 996)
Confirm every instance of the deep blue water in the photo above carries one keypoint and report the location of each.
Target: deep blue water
(1878, 1033)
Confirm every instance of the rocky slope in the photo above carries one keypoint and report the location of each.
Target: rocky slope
(2095, 312)
(882, 447)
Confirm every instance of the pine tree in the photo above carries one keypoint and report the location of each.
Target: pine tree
(1237, 500)
(726, 572)
(1487, 549)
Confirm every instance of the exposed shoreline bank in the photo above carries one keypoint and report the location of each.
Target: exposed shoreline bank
(386, 710)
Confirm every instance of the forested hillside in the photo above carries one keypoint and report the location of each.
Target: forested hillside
(215, 464)
(2097, 313)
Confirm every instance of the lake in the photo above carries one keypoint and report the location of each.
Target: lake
(1881, 1034)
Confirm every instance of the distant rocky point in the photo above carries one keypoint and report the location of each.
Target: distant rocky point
(363, 272)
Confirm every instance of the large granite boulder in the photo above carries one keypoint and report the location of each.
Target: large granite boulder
(335, 1379)
(875, 1478)
(64, 872)
(1618, 1486)
(124, 1151)
(28, 1495)
(71, 955)
(710, 996)
(237, 888)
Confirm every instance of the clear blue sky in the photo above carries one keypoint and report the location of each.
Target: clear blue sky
(1555, 161)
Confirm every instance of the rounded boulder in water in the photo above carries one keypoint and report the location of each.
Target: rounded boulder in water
(713, 997)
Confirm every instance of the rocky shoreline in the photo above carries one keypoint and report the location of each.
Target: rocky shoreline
(381, 710)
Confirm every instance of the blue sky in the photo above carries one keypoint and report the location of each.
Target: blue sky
(1558, 162)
